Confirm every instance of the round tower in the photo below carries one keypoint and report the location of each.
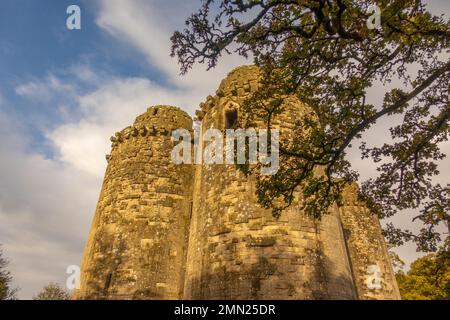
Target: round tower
(238, 250)
(138, 239)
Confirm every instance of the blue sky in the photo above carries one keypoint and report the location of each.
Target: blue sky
(62, 95)
(36, 43)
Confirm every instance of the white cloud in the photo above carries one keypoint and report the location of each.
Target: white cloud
(148, 26)
(117, 101)
(45, 211)
(108, 109)
(85, 74)
(43, 89)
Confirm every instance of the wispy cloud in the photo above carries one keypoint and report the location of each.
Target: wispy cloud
(148, 26)
(45, 208)
(43, 89)
(109, 108)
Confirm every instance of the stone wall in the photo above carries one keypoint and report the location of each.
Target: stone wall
(238, 250)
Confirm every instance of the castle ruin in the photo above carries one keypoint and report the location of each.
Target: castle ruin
(167, 231)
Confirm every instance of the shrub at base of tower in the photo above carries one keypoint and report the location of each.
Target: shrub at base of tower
(52, 291)
(6, 290)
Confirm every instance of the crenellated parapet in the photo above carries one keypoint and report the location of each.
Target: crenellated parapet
(238, 85)
(158, 121)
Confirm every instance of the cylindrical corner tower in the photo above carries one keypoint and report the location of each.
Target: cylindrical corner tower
(238, 250)
(138, 239)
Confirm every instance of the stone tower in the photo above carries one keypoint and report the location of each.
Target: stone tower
(165, 231)
(137, 244)
(238, 250)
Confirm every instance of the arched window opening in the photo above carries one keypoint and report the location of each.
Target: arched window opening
(231, 119)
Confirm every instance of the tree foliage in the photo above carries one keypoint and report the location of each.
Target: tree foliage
(6, 290)
(52, 291)
(428, 278)
(323, 52)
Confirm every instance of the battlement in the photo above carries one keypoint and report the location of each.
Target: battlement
(240, 82)
(158, 120)
(164, 116)
(238, 85)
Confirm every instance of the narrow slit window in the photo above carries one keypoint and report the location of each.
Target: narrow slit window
(108, 281)
(231, 119)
